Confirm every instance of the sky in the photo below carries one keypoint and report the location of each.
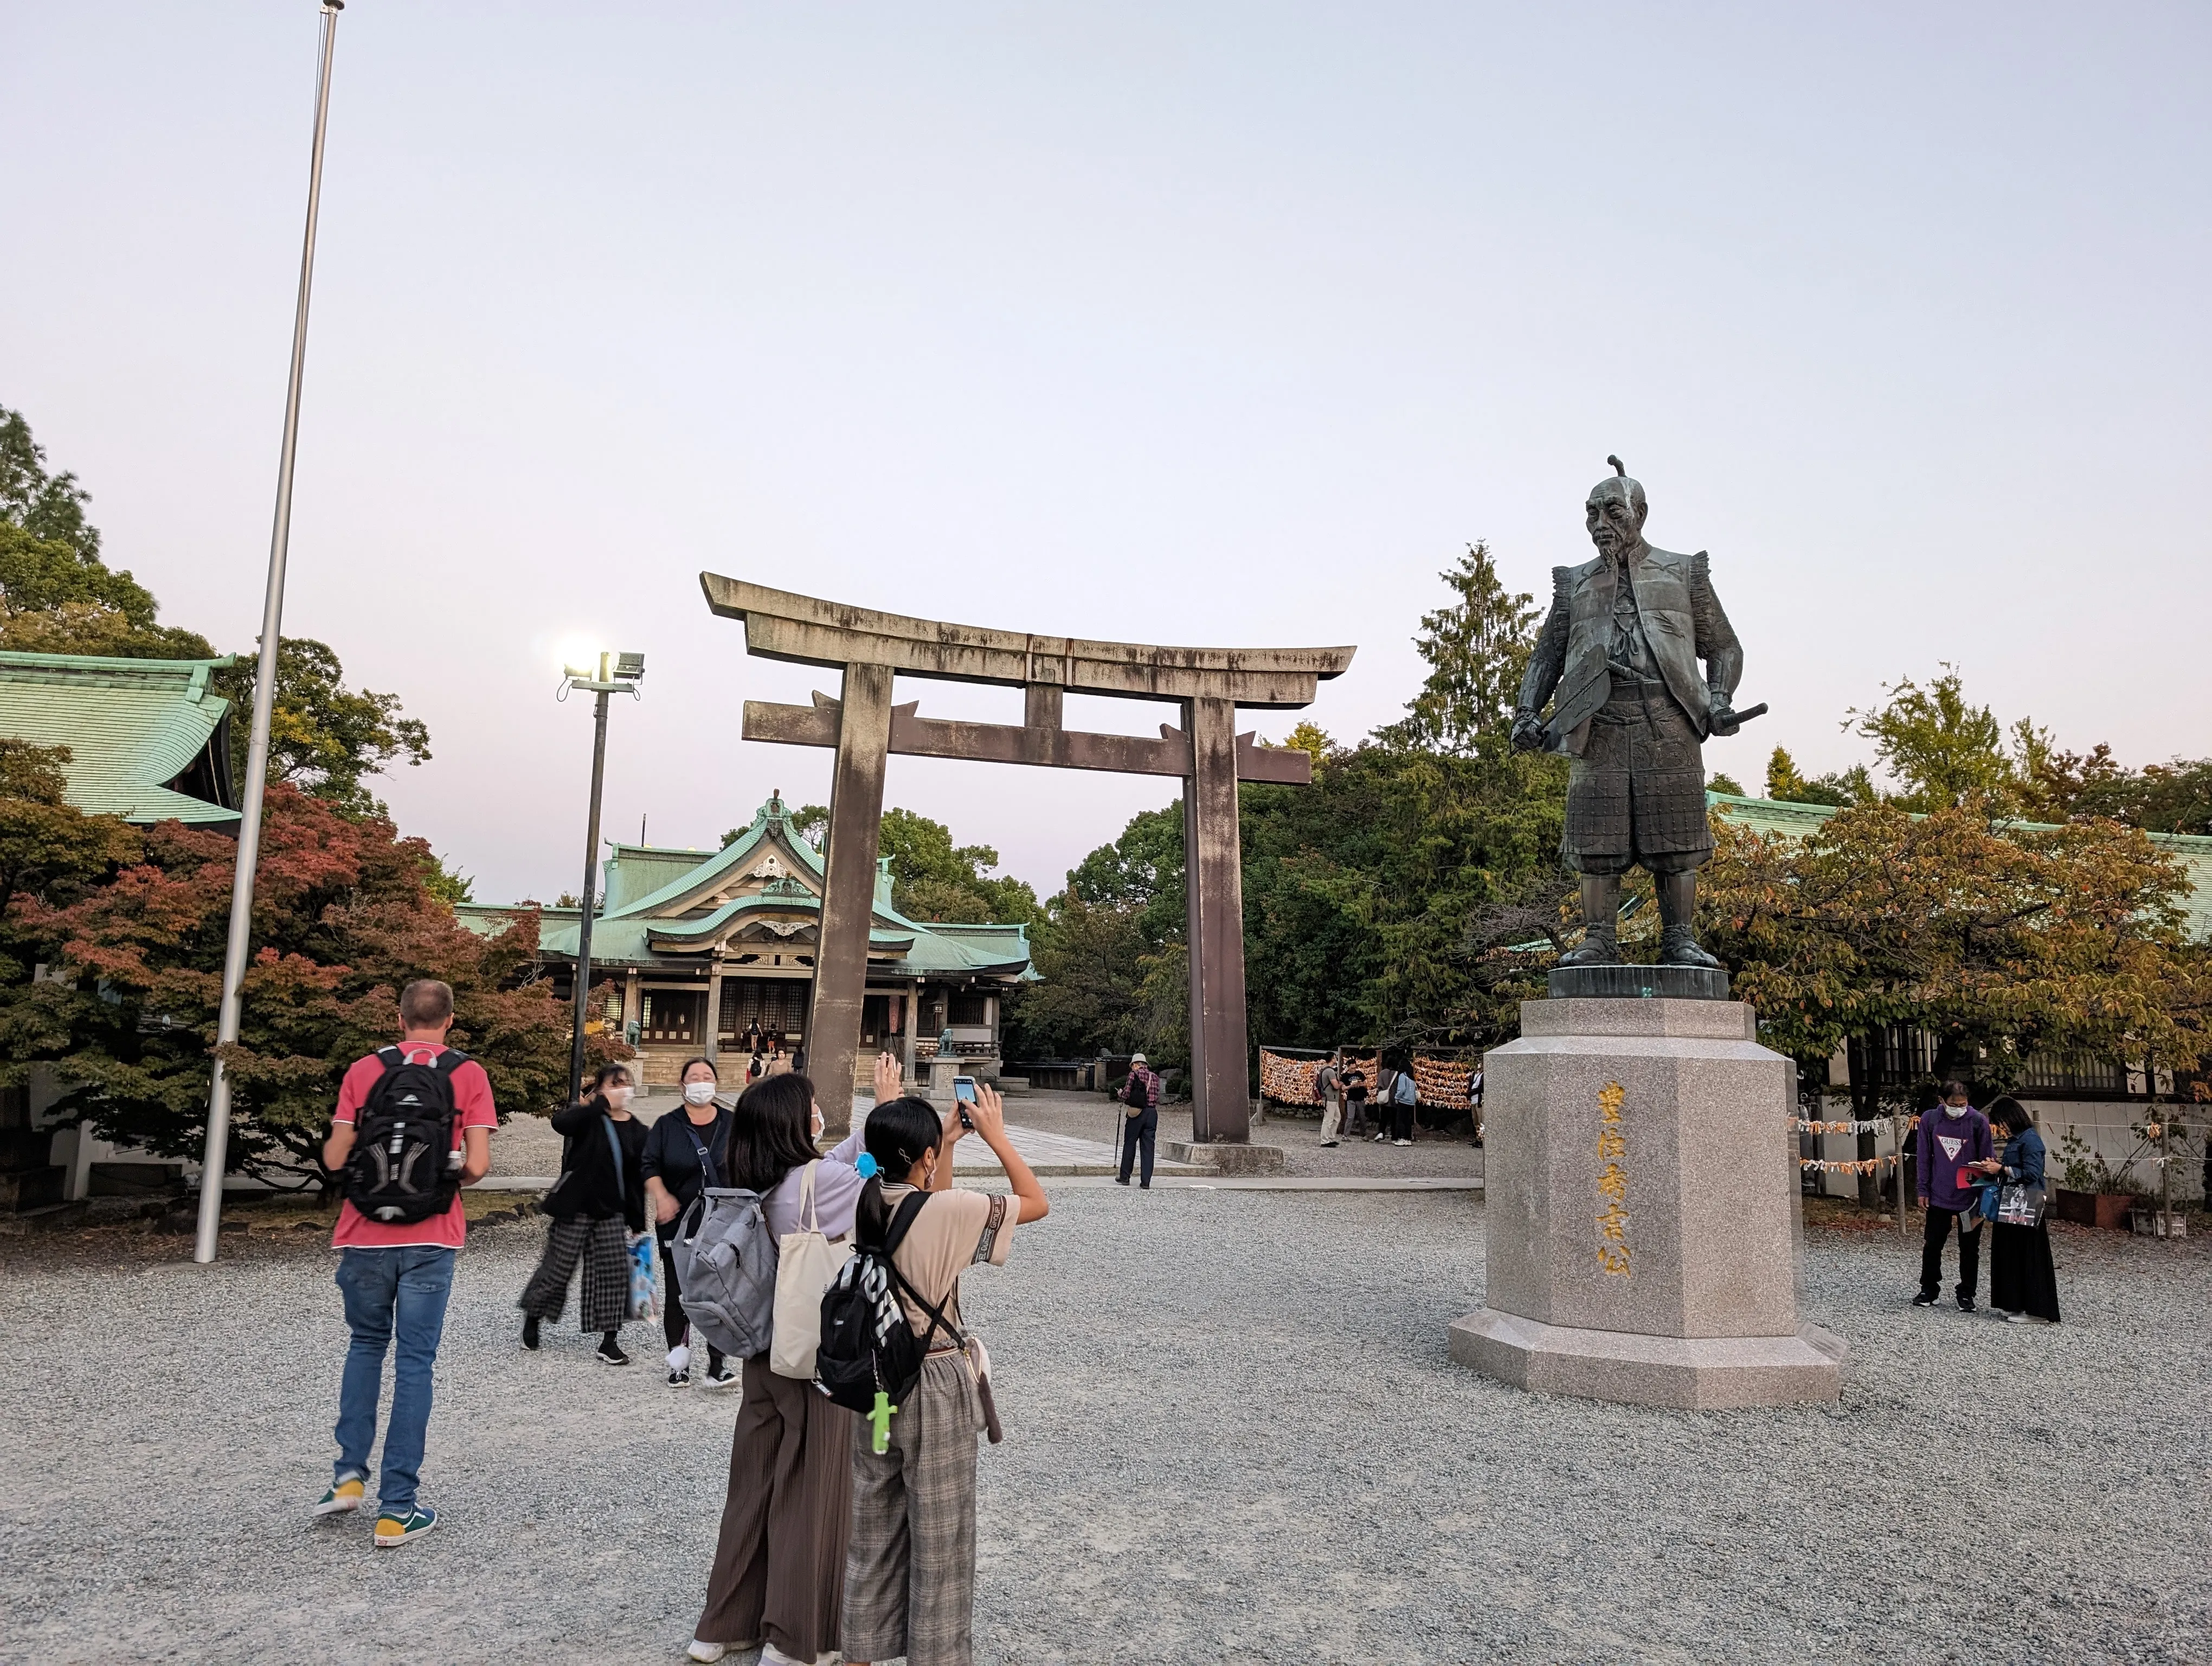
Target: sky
(1192, 323)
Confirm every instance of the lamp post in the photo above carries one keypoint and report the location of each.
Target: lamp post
(622, 676)
(216, 1155)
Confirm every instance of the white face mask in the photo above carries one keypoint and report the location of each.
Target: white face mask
(698, 1093)
(617, 1094)
(818, 1122)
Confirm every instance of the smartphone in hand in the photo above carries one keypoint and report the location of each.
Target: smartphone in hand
(963, 1095)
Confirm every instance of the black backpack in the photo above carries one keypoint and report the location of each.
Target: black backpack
(403, 1167)
(1136, 1092)
(867, 1346)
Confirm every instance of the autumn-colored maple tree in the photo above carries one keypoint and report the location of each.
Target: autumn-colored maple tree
(2001, 940)
(343, 916)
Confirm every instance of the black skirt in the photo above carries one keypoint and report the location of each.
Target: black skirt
(2022, 1279)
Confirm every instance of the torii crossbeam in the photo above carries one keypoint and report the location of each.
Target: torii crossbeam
(1210, 683)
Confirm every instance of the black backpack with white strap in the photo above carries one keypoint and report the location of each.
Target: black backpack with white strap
(403, 1167)
(867, 1346)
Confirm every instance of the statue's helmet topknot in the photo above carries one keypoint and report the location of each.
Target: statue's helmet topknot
(1617, 484)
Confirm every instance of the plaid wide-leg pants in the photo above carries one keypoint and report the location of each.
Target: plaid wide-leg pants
(603, 1246)
(910, 1568)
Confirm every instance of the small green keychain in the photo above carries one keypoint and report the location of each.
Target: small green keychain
(879, 1420)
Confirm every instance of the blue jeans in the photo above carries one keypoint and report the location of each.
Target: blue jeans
(388, 1292)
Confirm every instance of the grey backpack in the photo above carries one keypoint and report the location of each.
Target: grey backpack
(726, 1261)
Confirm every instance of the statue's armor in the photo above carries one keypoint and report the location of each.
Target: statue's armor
(1632, 709)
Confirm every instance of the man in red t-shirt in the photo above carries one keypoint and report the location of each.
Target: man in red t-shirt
(395, 1277)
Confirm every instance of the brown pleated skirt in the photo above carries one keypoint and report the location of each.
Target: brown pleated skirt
(780, 1562)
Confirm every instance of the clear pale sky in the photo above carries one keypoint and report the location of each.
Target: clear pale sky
(1190, 323)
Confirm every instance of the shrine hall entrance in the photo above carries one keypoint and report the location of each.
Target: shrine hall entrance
(670, 1018)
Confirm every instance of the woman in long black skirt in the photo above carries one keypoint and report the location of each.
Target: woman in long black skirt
(2022, 1284)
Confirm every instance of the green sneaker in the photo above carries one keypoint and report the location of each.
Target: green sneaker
(398, 1530)
(343, 1495)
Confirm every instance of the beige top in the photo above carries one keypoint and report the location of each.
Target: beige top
(954, 1231)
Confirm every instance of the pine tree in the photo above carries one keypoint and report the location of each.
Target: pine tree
(1478, 650)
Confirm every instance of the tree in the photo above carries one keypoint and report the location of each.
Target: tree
(342, 917)
(56, 595)
(1478, 651)
(324, 737)
(2000, 941)
(1724, 782)
(1851, 786)
(931, 878)
(1944, 750)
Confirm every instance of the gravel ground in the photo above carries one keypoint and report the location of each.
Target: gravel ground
(1235, 1435)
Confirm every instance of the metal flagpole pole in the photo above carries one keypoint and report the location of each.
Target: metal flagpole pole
(583, 991)
(264, 696)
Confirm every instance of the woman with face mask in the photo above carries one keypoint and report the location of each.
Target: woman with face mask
(687, 1151)
(598, 1201)
(778, 1582)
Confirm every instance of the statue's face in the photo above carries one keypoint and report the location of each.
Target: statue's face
(1615, 525)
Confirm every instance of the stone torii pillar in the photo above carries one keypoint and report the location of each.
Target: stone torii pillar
(1208, 684)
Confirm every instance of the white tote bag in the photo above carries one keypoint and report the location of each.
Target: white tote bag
(806, 1263)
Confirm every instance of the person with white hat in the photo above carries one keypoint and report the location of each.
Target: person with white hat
(1141, 1120)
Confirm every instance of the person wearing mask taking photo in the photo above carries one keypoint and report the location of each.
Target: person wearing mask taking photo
(910, 1574)
(686, 1152)
(597, 1202)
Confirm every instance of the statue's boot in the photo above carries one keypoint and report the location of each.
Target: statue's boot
(1678, 937)
(1601, 944)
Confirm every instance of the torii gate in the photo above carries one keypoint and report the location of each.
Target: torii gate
(1210, 683)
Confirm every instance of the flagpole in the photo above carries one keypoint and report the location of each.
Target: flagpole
(264, 697)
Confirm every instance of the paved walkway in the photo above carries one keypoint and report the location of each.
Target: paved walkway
(1058, 1155)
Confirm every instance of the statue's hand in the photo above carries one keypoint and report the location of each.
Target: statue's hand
(1721, 719)
(1528, 733)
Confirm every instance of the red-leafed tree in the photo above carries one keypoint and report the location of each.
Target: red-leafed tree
(345, 915)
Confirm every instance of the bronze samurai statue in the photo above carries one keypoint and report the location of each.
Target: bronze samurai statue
(1620, 649)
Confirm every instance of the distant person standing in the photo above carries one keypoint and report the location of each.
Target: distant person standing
(1328, 1082)
(2023, 1284)
(686, 1152)
(1355, 1100)
(1950, 1147)
(395, 1273)
(1474, 1102)
(1141, 1120)
(598, 1201)
(1405, 1098)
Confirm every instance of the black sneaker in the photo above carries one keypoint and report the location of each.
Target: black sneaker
(1121, 1180)
(609, 1353)
(529, 1333)
(679, 1379)
(1925, 1299)
(1966, 1305)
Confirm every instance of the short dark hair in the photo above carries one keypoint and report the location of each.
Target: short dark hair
(607, 1071)
(426, 1003)
(2015, 1116)
(1958, 1088)
(702, 1059)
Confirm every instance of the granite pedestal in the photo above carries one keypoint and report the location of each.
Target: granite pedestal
(1642, 1211)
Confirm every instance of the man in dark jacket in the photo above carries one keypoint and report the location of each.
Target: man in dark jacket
(1953, 1139)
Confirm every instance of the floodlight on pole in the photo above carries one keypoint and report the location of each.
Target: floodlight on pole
(216, 1155)
(616, 673)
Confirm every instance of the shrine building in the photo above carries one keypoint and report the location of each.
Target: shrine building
(686, 933)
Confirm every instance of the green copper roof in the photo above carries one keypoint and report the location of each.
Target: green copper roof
(132, 727)
(671, 906)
